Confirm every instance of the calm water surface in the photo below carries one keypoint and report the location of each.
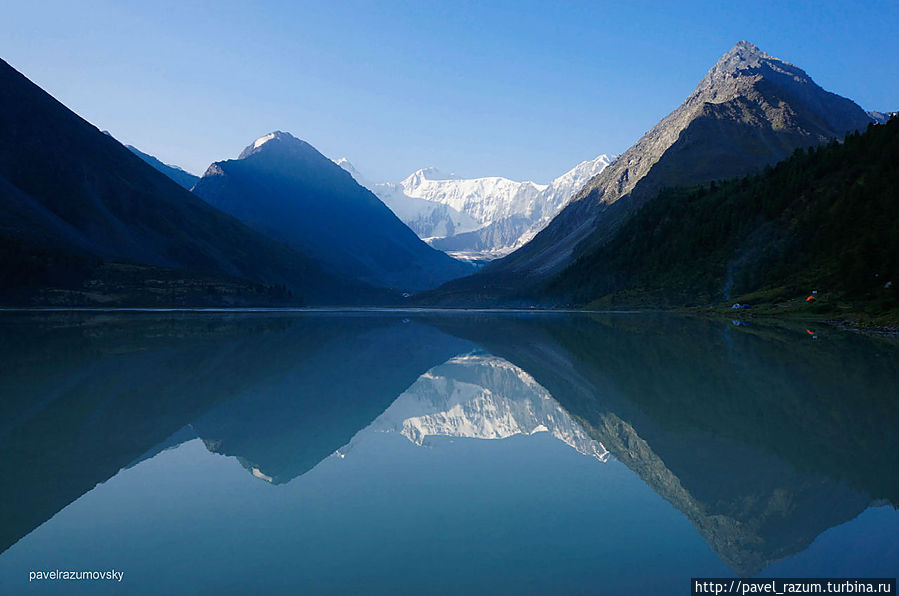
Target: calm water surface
(441, 452)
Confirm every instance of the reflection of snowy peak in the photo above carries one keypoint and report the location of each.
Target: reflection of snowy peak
(478, 217)
(481, 397)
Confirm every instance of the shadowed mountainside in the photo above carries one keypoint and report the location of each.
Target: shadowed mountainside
(349, 374)
(182, 177)
(75, 205)
(283, 187)
(86, 395)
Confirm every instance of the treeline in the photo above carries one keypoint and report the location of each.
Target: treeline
(826, 218)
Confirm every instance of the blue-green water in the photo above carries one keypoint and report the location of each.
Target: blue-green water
(427, 452)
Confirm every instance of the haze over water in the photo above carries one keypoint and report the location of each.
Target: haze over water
(438, 452)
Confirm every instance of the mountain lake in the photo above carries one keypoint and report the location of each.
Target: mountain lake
(426, 451)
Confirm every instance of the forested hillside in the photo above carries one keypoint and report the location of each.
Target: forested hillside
(825, 219)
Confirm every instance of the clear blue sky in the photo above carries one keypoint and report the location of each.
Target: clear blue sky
(518, 89)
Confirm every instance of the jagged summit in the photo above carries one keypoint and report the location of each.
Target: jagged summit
(276, 139)
(742, 57)
(740, 67)
(744, 50)
(431, 173)
(748, 111)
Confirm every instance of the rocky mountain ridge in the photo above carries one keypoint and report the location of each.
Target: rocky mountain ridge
(748, 111)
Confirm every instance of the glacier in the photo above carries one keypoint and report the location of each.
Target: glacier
(477, 219)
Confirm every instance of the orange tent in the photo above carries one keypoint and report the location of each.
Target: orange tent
(810, 299)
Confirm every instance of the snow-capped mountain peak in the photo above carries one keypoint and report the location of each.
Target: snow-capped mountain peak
(279, 138)
(345, 163)
(571, 181)
(478, 218)
(431, 173)
(262, 140)
(425, 218)
(485, 199)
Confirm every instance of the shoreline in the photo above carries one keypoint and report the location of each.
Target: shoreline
(856, 322)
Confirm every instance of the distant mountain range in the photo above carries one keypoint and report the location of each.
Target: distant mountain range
(182, 177)
(749, 111)
(880, 117)
(176, 173)
(284, 188)
(478, 218)
(85, 220)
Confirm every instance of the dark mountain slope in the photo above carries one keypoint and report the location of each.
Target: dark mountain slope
(85, 395)
(73, 200)
(352, 369)
(282, 186)
(825, 219)
(182, 177)
(749, 111)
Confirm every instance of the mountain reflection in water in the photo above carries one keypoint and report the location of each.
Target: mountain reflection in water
(478, 396)
(760, 437)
